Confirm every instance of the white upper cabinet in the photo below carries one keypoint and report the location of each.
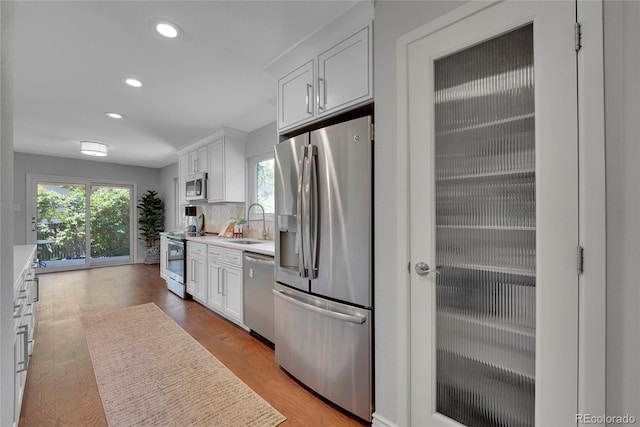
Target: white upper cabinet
(328, 72)
(344, 74)
(198, 161)
(339, 78)
(221, 156)
(226, 170)
(296, 96)
(183, 173)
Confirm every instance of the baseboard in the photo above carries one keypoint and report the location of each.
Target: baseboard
(380, 421)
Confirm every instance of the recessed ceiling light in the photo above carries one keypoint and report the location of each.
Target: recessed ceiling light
(96, 149)
(114, 115)
(133, 82)
(166, 29)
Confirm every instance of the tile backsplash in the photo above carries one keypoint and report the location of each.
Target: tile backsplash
(217, 214)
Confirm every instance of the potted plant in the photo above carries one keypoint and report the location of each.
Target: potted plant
(150, 224)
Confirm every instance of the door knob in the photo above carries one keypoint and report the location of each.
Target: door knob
(422, 269)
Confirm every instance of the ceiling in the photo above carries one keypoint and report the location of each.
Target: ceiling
(70, 58)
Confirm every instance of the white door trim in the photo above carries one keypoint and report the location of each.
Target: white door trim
(592, 195)
(592, 232)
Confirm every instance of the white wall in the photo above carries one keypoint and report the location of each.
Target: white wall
(145, 178)
(6, 214)
(167, 176)
(392, 20)
(622, 104)
(261, 140)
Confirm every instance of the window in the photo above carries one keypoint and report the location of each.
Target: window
(261, 185)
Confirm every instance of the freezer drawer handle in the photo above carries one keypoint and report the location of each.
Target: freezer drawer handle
(340, 316)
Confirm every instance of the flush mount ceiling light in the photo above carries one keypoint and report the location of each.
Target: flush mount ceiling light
(133, 82)
(166, 29)
(113, 115)
(96, 149)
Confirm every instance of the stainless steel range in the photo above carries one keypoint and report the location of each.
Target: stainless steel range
(176, 264)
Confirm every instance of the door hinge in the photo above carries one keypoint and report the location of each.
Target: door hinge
(373, 132)
(578, 36)
(580, 259)
(409, 267)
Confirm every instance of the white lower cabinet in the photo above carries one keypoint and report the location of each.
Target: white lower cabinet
(224, 268)
(26, 295)
(197, 271)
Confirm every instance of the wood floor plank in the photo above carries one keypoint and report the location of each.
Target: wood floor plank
(61, 387)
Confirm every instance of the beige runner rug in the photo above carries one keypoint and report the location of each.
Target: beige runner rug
(150, 372)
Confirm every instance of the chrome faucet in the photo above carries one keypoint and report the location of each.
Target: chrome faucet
(264, 223)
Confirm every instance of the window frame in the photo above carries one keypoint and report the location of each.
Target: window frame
(252, 162)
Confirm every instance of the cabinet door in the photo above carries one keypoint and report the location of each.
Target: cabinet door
(295, 96)
(201, 279)
(214, 284)
(233, 293)
(344, 74)
(215, 189)
(192, 276)
(183, 173)
(198, 161)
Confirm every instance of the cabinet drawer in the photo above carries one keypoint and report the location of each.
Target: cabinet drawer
(233, 257)
(216, 253)
(197, 249)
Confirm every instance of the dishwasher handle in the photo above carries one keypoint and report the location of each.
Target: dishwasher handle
(323, 311)
(263, 261)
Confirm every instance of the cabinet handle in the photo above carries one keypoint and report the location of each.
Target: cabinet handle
(37, 297)
(309, 98)
(219, 280)
(19, 313)
(224, 285)
(24, 331)
(322, 88)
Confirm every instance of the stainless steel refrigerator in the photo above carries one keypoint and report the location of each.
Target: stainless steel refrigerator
(323, 256)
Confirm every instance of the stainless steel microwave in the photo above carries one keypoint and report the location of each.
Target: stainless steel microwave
(196, 187)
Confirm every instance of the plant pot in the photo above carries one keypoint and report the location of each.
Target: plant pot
(152, 255)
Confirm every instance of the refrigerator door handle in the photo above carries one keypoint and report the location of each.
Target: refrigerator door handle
(312, 259)
(307, 212)
(359, 320)
(299, 241)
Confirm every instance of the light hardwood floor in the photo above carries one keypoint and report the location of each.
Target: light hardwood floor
(61, 389)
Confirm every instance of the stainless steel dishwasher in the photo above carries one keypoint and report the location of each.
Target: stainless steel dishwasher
(258, 294)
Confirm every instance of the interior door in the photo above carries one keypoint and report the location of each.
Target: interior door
(494, 217)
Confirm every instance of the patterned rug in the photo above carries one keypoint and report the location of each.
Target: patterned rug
(150, 372)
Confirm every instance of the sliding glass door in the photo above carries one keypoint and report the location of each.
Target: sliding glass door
(110, 224)
(77, 223)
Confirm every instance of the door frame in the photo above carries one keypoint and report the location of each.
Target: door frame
(31, 198)
(592, 207)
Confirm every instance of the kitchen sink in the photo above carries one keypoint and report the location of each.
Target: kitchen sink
(245, 242)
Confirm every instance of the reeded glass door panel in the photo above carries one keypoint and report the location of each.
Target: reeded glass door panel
(485, 194)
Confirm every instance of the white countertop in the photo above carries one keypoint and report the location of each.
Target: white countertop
(22, 256)
(265, 247)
